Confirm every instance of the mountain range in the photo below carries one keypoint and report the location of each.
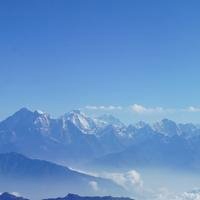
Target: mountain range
(77, 140)
(7, 196)
(77, 197)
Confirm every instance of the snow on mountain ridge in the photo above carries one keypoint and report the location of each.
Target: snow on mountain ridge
(87, 125)
(107, 119)
(167, 127)
(80, 120)
(77, 136)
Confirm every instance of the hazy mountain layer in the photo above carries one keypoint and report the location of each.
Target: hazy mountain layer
(37, 178)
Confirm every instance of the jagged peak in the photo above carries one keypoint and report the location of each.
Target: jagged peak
(141, 124)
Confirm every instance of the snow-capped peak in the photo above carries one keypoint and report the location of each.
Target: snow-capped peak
(107, 119)
(42, 121)
(40, 112)
(167, 127)
(141, 124)
(80, 120)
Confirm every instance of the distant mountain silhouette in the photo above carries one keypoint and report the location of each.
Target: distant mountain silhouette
(77, 197)
(8, 196)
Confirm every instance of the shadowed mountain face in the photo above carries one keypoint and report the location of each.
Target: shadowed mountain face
(77, 197)
(7, 196)
(38, 179)
(19, 166)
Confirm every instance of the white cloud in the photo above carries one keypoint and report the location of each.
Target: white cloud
(146, 110)
(193, 195)
(94, 185)
(192, 109)
(129, 180)
(166, 195)
(105, 108)
(133, 183)
(134, 178)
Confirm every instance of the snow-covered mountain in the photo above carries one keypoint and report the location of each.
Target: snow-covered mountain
(25, 122)
(70, 137)
(77, 138)
(167, 127)
(81, 121)
(108, 119)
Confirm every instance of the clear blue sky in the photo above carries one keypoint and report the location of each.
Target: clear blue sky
(60, 55)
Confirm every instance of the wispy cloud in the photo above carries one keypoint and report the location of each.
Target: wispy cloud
(193, 195)
(165, 194)
(137, 108)
(140, 109)
(192, 109)
(143, 110)
(110, 107)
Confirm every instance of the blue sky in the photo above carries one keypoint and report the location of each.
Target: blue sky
(63, 55)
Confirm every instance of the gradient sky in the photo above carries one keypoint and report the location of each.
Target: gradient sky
(62, 55)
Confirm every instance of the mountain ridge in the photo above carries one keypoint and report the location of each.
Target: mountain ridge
(27, 175)
(70, 196)
(77, 197)
(77, 139)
